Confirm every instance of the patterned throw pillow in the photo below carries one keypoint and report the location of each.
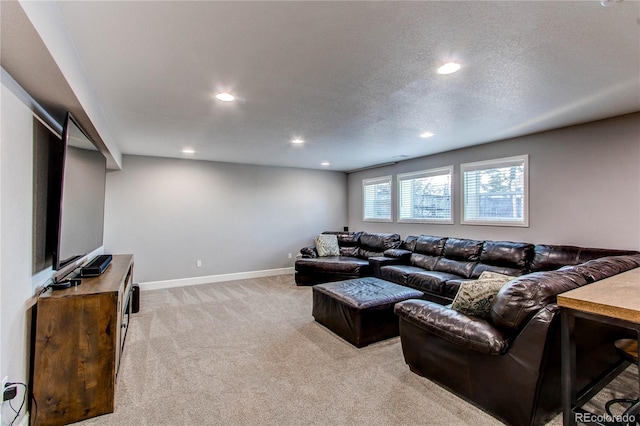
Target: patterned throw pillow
(492, 275)
(327, 245)
(474, 297)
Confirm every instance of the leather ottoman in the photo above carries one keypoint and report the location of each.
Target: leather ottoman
(360, 310)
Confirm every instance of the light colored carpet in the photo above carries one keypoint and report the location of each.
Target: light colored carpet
(249, 353)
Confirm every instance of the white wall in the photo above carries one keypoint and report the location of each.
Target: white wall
(584, 187)
(16, 143)
(234, 218)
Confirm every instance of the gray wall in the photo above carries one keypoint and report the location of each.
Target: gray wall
(235, 218)
(584, 187)
(16, 230)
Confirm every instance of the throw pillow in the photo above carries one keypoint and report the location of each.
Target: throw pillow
(474, 297)
(327, 245)
(491, 275)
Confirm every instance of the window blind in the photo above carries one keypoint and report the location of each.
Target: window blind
(495, 192)
(425, 196)
(377, 199)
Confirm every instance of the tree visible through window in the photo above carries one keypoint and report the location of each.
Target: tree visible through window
(425, 196)
(496, 192)
(377, 199)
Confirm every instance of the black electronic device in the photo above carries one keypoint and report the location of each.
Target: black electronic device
(97, 266)
(135, 299)
(61, 285)
(71, 281)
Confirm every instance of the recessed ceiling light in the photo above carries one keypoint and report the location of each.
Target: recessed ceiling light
(188, 151)
(297, 141)
(325, 164)
(426, 135)
(225, 97)
(449, 68)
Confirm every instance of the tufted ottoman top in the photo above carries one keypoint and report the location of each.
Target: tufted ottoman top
(368, 292)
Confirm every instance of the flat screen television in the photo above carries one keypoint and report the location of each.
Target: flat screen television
(82, 191)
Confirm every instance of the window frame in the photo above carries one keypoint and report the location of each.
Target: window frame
(374, 181)
(440, 171)
(493, 164)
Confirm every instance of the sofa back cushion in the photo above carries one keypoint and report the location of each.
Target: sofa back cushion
(431, 246)
(504, 257)
(410, 243)
(349, 239)
(372, 245)
(522, 297)
(551, 257)
(426, 250)
(587, 254)
(604, 267)
(548, 257)
(459, 257)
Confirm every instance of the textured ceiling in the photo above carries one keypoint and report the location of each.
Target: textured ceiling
(355, 80)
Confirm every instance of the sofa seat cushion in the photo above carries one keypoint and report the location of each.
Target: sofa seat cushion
(451, 287)
(470, 332)
(430, 281)
(398, 273)
(333, 264)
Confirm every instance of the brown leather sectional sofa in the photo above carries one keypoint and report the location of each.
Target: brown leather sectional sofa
(355, 250)
(508, 363)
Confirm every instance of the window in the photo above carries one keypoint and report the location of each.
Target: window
(377, 199)
(425, 196)
(496, 192)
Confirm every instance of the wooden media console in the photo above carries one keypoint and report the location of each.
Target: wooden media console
(79, 337)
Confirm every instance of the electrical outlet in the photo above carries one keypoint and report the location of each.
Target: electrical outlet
(198, 263)
(9, 393)
(289, 255)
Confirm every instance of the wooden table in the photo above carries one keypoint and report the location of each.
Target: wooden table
(614, 300)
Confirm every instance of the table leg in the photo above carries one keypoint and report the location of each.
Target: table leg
(568, 356)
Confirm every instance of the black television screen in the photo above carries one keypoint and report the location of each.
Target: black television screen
(47, 175)
(81, 220)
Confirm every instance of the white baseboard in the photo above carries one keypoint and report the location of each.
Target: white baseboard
(183, 282)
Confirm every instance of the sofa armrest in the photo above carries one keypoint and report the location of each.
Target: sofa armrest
(309, 252)
(470, 332)
(529, 346)
(376, 263)
(397, 253)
